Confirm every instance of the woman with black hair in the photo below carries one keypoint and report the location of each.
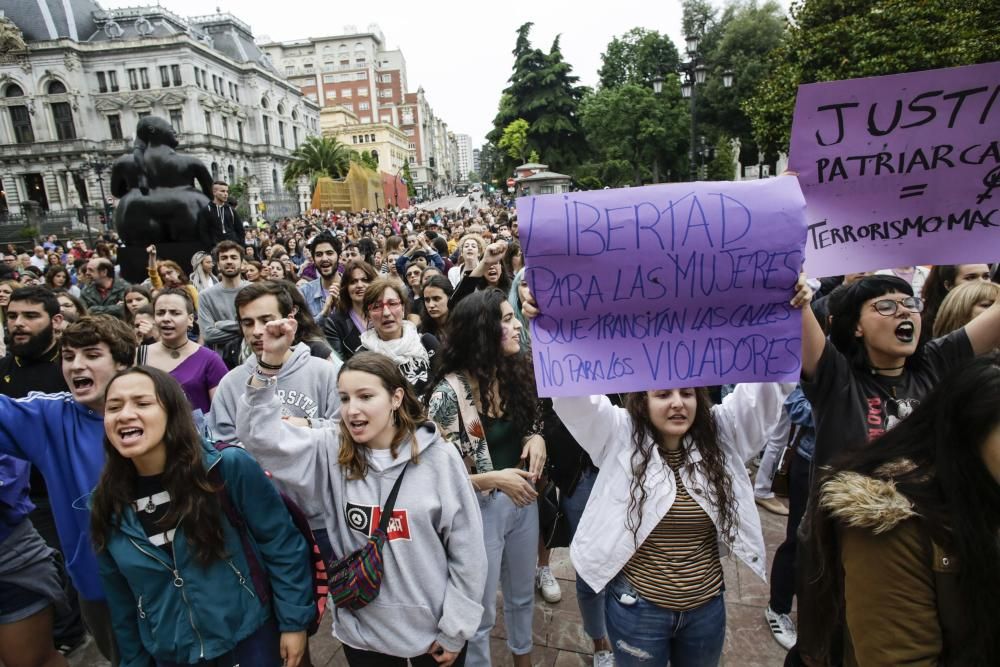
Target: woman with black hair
(437, 290)
(485, 401)
(174, 570)
(904, 567)
(343, 326)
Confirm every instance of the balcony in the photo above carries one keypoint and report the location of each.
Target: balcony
(42, 149)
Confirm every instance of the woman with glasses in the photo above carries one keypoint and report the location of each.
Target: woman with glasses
(344, 325)
(393, 335)
(870, 374)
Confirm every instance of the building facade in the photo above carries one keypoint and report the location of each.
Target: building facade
(70, 100)
(464, 143)
(356, 72)
(386, 142)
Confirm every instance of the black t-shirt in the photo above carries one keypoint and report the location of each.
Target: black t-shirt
(151, 502)
(851, 406)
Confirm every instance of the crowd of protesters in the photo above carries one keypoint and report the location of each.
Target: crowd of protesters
(377, 365)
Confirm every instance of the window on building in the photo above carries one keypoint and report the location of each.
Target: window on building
(363, 106)
(176, 119)
(409, 131)
(215, 84)
(359, 62)
(102, 82)
(133, 79)
(385, 119)
(56, 88)
(144, 77)
(314, 97)
(362, 92)
(115, 125)
(308, 67)
(385, 78)
(361, 76)
(349, 106)
(225, 127)
(239, 130)
(281, 133)
(164, 76)
(62, 115)
(412, 146)
(113, 81)
(197, 77)
(208, 122)
(204, 79)
(267, 130)
(385, 92)
(143, 114)
(236, 92)
(329, 78)
(347, 92)
(295, 137)
(175, 72)
(407, 117)
(413, 160)
(289, 69)
(354, 139)
(20, 119)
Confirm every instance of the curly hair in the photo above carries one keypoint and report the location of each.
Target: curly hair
(193, 496)
(474, 349)
(703, 435)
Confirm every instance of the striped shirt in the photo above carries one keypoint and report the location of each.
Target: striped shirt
(678, 565)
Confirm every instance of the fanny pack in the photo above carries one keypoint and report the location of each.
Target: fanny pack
(355, 579)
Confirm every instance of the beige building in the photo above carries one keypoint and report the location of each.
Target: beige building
(384, 141)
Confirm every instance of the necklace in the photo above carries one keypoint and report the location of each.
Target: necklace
(175, 352)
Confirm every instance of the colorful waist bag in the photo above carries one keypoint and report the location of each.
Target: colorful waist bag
(355, 579)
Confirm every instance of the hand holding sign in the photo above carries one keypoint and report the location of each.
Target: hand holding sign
(665, 286)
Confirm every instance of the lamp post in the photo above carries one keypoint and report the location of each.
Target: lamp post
(98, 167)
(694, 73)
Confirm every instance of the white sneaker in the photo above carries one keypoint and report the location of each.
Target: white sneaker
(604, 659)
(547, 584)
(782, 628)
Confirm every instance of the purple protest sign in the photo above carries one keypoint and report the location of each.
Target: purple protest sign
(900, 170)
(664, 286)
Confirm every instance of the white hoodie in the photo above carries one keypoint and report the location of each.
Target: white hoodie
(435, 558)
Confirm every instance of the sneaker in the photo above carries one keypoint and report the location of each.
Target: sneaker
(604, 659)
(547, 584)
(772, 505)
(782, 628)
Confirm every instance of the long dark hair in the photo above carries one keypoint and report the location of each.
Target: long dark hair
(344, 303)
(934, 459)
(427, 323)
(704, 436)
(192, 496)
(474, 349)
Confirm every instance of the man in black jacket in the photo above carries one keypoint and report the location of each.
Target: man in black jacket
(219, 221)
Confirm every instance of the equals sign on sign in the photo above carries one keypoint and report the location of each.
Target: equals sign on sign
(912, 190)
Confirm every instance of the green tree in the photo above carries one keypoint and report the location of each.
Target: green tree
(317, 157)
(638, 56)
(411, 190)
(542, 91)
(829, 40)
(631, 125)
(473, 176)
(365, 159)
(514, 140)
(722, 166)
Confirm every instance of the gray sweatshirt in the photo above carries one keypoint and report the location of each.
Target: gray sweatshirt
(217, 315)
(435, 558)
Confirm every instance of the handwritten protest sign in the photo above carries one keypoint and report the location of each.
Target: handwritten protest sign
(664, 286)
(900, 170)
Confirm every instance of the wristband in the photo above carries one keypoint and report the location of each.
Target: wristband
(270, 367)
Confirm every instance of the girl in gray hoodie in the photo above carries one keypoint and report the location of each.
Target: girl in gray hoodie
(430, 600)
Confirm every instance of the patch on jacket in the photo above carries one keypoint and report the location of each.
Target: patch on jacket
(365, 519)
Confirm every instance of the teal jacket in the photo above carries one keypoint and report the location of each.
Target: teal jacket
(187, 612)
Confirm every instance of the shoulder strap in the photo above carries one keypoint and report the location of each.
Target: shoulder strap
(390, 502)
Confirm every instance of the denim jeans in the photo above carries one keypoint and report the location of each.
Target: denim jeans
(262, 648)
(647, 635)
(591, 603)
(511, 535)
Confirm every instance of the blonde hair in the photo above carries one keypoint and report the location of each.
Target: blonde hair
(475, 237)
(956, 309)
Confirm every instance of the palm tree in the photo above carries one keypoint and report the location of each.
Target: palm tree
(317, 157)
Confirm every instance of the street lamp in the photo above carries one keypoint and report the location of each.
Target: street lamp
(99, 167)
(694, 73)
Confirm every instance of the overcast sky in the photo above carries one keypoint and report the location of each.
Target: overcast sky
(457, 51)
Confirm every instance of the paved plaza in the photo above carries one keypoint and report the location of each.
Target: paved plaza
(559, 637)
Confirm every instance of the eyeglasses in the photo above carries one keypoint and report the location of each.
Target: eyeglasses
(377, 307)
(889, 307)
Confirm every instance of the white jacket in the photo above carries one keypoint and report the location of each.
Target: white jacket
(603, 544)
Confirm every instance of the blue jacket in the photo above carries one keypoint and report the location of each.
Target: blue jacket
(800, 414)
(64, 440)
(174, 609)
(14, 502)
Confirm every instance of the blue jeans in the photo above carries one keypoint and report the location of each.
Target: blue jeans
(262, 648)
(591, 603)
(645, 634)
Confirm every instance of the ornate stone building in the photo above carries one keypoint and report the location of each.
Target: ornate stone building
(72, 93)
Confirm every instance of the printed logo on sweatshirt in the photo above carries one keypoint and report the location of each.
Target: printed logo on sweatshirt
(365, 519)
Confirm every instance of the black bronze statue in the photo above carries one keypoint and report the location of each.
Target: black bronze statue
(158, 201)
